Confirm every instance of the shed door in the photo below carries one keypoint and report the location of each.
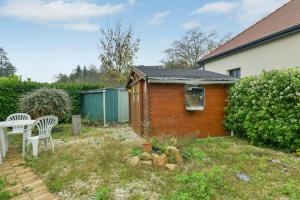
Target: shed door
(123, 106)
(135, 108)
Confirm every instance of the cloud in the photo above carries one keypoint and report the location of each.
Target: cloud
(85, 27)
(58, 10)
(190, 24)
(158, 18)
(216, 7)
(131, 2)
(251, 11)
(244, 12)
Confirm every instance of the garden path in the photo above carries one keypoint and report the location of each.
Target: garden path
(22, 180)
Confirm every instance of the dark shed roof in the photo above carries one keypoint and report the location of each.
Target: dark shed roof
(160, 72)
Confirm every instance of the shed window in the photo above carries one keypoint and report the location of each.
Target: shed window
(194, 97)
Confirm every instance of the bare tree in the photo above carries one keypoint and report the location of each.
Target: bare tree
(118, 49)
(185, 53)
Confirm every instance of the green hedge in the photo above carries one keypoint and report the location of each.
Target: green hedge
(12, 88)
(266, 109)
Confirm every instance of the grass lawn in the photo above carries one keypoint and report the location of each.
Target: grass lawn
(95, 166)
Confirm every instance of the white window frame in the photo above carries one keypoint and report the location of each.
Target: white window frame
(194, 108)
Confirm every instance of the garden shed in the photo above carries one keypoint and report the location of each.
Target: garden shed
(178, 102)
(106, 105)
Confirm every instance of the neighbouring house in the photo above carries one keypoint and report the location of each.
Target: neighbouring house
(271, 43)
(177, 101)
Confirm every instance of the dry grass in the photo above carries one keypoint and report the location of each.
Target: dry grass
(98, 159)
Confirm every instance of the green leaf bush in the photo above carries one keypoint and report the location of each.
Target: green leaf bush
(12, 88)
(266, 109)
(46, 101)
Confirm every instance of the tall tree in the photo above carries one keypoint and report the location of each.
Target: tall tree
(90, 74)
(6, 68)
(185, 53)
(118, 48)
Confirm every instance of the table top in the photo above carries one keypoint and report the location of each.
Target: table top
(16, 123)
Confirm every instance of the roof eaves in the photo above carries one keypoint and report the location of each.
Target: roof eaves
(260, 41)
(192, 80)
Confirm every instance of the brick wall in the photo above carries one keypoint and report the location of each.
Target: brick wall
(169, 116)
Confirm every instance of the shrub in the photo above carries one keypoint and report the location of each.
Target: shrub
(46, 101)
(266, 109)
(12, 88)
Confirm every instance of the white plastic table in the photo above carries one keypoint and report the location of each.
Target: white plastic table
(10, 124)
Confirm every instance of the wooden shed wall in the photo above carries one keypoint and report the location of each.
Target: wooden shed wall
(169, 116)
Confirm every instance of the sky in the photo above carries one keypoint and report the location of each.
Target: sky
(46, 37)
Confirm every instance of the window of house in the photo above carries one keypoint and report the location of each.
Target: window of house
(236, 73)
(194, 97)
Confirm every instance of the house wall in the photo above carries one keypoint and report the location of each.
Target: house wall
(277, 54)
(169, 116)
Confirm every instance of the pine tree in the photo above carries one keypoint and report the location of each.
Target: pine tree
(6, 68)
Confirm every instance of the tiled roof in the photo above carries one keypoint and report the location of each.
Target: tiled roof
(283, 18)
(160, 72)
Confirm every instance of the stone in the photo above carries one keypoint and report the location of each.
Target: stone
(154, 155)
(176, 154)
(146, 156)
(159, 161)
(285, 165)
(173, 141)
(134, 161)
(146, 163)
(275, 161)
(243, 177)
(171, 167)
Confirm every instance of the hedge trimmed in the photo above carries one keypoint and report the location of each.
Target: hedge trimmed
(266, 109)
(12, 88)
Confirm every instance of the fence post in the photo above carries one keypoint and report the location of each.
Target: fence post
(104, 111)
(76, 124)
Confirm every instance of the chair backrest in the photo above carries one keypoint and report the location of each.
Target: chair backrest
(45, 125)
(18, 116)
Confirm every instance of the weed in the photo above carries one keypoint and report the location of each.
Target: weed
(193, 187)
(291, 189)
(190, 152)
(4, 194)
(136, 151)
(101, 194)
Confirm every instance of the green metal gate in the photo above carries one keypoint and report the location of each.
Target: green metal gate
(107, 105)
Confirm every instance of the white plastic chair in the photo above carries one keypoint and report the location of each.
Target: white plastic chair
(18, 130)
(44, 126)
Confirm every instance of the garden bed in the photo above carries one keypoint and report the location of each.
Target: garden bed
(95, 165)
